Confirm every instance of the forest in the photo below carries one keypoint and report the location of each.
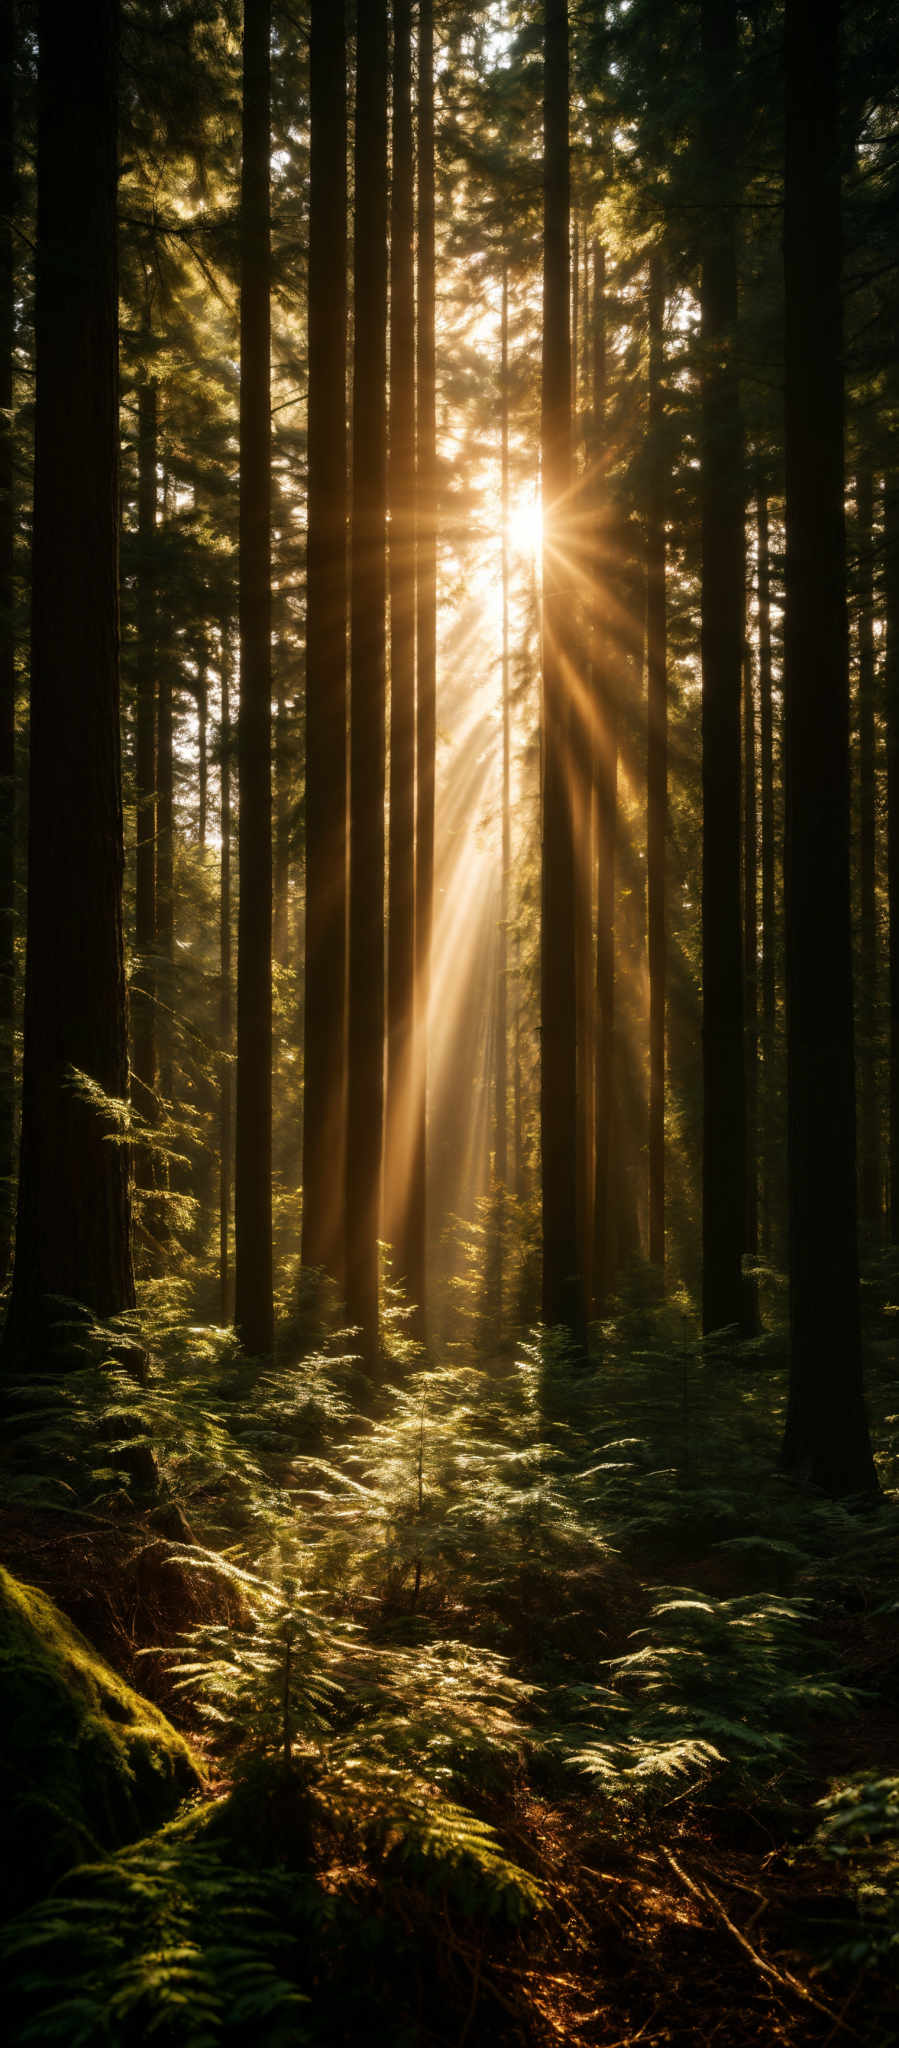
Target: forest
(449, 1023)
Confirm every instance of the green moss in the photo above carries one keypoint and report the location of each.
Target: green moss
(86, 1764)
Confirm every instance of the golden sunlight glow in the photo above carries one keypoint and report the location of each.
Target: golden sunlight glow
(526, 523)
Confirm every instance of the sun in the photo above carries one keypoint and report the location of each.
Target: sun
(526, 523)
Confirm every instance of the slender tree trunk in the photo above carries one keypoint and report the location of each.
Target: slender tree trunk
(7, 641)
(869, 1103)
(724, 1108)
(750, 981)
(202, 748)
(399, 1135)
(74, 1217)
(143, 988)
(657, 759)
(562, 1281)
(769, 916)
(891, 596)
(826, 1442)
(325, 1040)
(281, 867)
(226, 998)
(580, 553)
(501, 1080)
(165, 875)
(605, 776)
(253, 1127)
(496, 1236)
(426, 635)
(365, 1095)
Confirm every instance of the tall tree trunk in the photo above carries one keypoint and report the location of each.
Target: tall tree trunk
(605, 776)
(7, 640)
(202, 747)
(253, 1127)
(581, 552)
(365, 1091)
(891, 605)
(869, 1103)
(562, 1281)
(657, 759)
(74, 1217)
(399, 1135)
(826, 1442)
(165, 874)
(724, 1110)
(281, 865)
(496, 1229)
(226, 999)
(766, 740)
(325, 1038)
(750, 982)
(426, 637)
(501, 1077)
(143, 988)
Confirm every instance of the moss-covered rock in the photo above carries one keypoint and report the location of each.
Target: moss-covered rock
(86, 1764)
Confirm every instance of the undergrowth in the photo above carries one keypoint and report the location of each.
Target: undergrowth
(506, 1584)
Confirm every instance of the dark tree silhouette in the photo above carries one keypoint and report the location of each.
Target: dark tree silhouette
(368, 596)
(399, 1129)
(426, 647)
(724, 1114)
(7, 638)
(324, 1098)
(657, 758)
(253, 1308)
(826, 1440)
(73, 1235)
(562, 1282)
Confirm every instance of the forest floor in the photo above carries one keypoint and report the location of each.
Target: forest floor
(535, 1706)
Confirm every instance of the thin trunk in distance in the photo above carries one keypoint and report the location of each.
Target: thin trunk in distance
(253, 1304)
(657, 758)
(826, 1442)
(562, 1280)
(368, 595)
(426, 649)
(723, 554)
(325, 984)
(400, 1117)
(7, 638)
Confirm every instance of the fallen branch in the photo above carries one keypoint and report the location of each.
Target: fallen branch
(783, 1979)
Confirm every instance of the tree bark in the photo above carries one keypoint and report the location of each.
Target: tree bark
(891, 605)
(73, 1236)
(724, 1110)
(826, 1441)
(750, 983)
(869, 1103)
(202, 747)
(657, 759)
(365, 1091)
(562, 1299)
(253, 1125)
(325, 1038)
(501, 1079)
(399, 1133)
(281, 857)
(226, 998)
(605, 776)
(769, 914)
(143, 986)
(426, 641)
(7, 640)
